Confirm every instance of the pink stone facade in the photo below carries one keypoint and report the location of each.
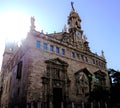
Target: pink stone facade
(52, 64)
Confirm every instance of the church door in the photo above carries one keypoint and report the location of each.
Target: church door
(57, 97)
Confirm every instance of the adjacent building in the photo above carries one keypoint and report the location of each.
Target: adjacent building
(56, 70)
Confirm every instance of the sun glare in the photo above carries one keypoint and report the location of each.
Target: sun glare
(14, 25)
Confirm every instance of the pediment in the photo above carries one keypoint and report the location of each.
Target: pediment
(83, 81)
(100, 73)
(57, 61)
(84, 71)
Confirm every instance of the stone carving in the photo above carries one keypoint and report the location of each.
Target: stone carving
(65, 28)
(32, 23)
(84, 38)
(83, 83)
(102, 54)
(72, 6)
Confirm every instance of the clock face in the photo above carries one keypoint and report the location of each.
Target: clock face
(77, 33)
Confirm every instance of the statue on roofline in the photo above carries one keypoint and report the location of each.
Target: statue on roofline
(72, 6)
(32, 23)
(84, 38)
(65, 28)
(102, 54)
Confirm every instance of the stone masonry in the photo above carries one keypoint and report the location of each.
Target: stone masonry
(51, 70)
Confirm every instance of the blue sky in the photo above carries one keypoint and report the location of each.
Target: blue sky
(100, 22)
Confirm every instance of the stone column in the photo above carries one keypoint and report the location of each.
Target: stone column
(91, 104)
(38, 104)
(32, 105)
(62, 105)
(82, 104)
(73, 105)
(98, 104)
(106, 105)
(27, 105)
(51, 105)
(51, 92)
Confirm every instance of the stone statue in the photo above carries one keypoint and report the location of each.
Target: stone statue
(102, 54)
(65, 28)
(32, 20)
(32, 23)
(72, 6)
(84, 38)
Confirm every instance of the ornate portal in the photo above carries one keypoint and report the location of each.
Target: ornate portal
(56, 82)
(83, 80)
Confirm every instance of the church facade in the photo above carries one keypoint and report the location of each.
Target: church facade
(55, 70)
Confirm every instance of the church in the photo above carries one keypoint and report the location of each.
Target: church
(56, 70)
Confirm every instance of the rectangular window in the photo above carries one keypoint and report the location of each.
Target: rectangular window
(45, 46)
(93, 61)
(78, 56)
(99, 63)
(37, 44)
(73, 55)
(63, 52)
(19, 70)
(57, 50)
(51, 48)
(82, 57)
(96, 62)
(85, 59)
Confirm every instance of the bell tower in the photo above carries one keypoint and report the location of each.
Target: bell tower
(74, 28)
(9, 51)
(74, 22)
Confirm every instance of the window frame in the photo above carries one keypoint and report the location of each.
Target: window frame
(45, 46)
(51, 48)
(19, 70)
(63, 51)
(73, 55)
(57, 50)
(38, 44)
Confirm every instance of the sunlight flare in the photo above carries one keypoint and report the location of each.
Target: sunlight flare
(14, 25)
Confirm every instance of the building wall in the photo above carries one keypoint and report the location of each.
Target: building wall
(29, 88)
(37, 65)
(23, 84)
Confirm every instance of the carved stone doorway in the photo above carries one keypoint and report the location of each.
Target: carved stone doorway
(57, 97)
(56, 83)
